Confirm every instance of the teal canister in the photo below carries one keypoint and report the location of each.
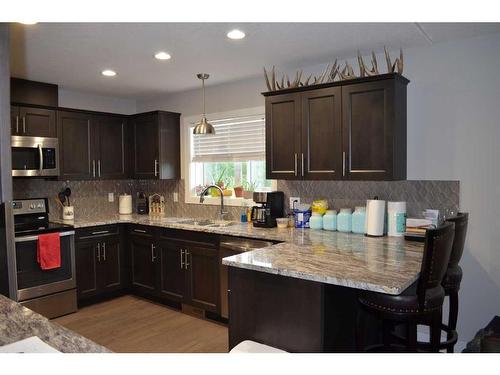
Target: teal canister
(316, 221)
(344, 220)
(358, 220)
(330, 220)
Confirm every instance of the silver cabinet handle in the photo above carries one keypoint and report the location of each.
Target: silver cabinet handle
(182, 262)
(99, 167)
(153, 258)
(98, 252)
(17, 124)
(186, 253)
(93, 168)
(140, 231)
(343, 163)
(302, 163)
(24, 125)
(104, 251)
(100, 232)
(295, 169)
(156, 167)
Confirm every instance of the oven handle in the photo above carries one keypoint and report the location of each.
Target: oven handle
(40, 154)
(35, 238)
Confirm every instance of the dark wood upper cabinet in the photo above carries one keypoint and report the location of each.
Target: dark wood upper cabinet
(283, 136)
(321, 125)
(75, 132)
(23, 91)
(352, 130)
(33, 122)
(111, 147)
(156, 145)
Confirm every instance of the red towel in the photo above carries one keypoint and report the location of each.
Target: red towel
(48, 252)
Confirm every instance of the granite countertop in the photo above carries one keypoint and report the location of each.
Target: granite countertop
(18, 322)
(387, 265)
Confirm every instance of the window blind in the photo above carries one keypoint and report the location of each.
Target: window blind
(235, 139)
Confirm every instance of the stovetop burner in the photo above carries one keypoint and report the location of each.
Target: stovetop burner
(46, 228)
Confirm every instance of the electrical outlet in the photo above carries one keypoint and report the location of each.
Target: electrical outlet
(176, 197)
(111, 197)
(292, 200)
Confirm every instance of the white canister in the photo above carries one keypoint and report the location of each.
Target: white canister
(125, 204)
(68, 213)
(375, 214)
(396, 219)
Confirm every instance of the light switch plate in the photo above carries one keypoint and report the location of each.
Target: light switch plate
(176, 197)
(293, 199)
(111, 197)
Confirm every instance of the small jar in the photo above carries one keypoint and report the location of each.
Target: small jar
(344, 220)
(330, 220)
(316, 221)
(358, 220)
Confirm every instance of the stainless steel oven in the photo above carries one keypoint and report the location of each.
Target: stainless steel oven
(35, 156)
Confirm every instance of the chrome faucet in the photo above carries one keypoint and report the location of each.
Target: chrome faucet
(202, 198)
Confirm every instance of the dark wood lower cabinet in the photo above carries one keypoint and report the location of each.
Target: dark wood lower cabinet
(99, 266)
(143, 264)
(203, 277)
(172, 268)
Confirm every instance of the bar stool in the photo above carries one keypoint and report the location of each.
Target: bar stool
(422, 303)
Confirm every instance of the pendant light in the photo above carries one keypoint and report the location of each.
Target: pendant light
(203, 127)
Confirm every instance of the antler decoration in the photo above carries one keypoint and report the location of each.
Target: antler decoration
(332, 72)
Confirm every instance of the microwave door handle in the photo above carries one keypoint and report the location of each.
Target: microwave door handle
(40, 154)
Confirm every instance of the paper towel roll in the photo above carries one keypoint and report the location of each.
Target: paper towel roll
(375, 213)
(125, 204)
(396, 219)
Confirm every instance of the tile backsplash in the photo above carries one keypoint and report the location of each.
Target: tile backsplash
(91, 197)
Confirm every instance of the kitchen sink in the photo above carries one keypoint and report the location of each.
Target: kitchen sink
(208, 223)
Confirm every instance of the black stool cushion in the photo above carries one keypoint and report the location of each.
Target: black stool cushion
(452, 278)
(405, 303)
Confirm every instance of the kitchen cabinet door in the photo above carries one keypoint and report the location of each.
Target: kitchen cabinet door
(368, 126)
(110, 265)
(283, 136)
(172, 271)
(203, 277)
(37, 122)
(75, 132)
(110, 140)
(143, 264)
(14, 120)
(145, 161)
(321, 154)
(86, 269)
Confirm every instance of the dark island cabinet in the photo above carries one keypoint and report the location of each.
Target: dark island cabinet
(156, 145)
(99, 261)
(92, 146)
(352, 130)
(33, 122)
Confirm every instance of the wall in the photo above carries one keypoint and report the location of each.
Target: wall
(95, 102)
(453, 134)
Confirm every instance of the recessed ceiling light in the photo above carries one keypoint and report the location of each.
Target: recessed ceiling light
(28, 22)
(236, 34)
(108, 73)
(162, 56)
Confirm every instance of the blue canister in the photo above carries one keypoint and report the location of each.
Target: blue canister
(330, 220)
(301, 218)
(316, 221)
(344, 220)
(358, 220)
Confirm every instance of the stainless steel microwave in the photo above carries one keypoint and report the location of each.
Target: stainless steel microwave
(35, 156)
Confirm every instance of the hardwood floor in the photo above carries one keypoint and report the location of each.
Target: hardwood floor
(130, 324)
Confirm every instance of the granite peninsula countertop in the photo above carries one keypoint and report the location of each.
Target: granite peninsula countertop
(387, 265)
(18, 322)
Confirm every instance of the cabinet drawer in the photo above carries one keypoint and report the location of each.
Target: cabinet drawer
(97, 232)
(190, 237)
(142, 230)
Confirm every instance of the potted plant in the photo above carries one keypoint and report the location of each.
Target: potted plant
(238, 191)
(219, 181)
(228, 183)
(248, 189)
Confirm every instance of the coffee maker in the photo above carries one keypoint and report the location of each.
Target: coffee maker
(271, 206)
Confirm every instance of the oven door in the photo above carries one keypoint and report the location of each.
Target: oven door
(34, 156)
(32, 281)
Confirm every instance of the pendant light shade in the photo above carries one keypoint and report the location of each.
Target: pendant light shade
(203, 127)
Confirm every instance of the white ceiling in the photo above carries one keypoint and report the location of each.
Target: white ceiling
(73, 54)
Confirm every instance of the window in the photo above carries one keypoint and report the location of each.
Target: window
(233, 157)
